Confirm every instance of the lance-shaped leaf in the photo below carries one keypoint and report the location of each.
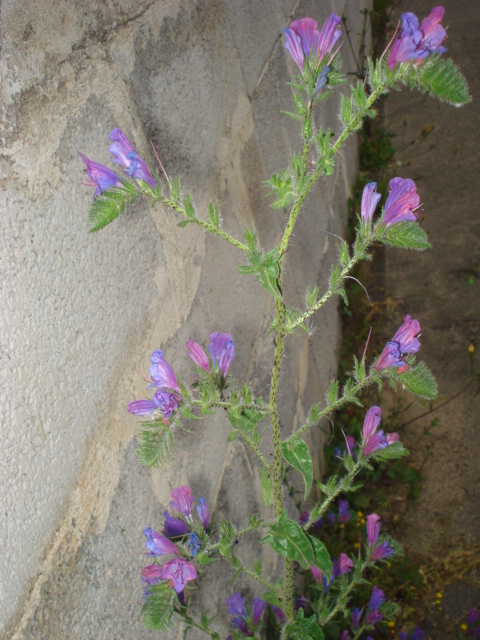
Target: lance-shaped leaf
(246, 421)
(322, 557)
(109, 205)
(297, 454)
(405, 234)
(158, 609)
(441, 77)
(420, 381)
(287, 538)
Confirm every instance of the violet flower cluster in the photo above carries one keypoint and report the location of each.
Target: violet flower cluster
(372, 439)
(401, 202)
(222, 352)
(178, 571)
(404, 341)
(103, 178)
(373, 615)
(378, 551)
(305, 43)
(169, 395)
(164, 401)
(416, 42)
(242, 620)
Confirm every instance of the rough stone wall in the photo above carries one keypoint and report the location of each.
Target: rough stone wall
(80, 314)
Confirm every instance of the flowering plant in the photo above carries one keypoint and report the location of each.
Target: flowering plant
(192, 538)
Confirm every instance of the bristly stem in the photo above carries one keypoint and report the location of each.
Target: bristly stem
(208, 226)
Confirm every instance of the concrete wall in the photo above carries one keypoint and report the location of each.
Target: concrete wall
(80, 314)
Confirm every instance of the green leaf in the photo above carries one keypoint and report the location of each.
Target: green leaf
(332, 393)
(304, 628)
(442, 78)
(158, 609)
(307, 128)
(154, 443)
(186, 412)
(405, 234)
(245, 420)
(287, 538)
(227, 538)
(213, 214)
(322, 557)
(420, 381)
(392, 452)
(281, 184)
(267, 488)
(268, 278)
(110, 204)
(359, 369)
(296, 453)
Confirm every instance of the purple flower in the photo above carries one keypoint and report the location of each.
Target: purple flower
(182, 501)
(162, 401)
(99, 176)
(345, 635)
(157, 544)
(344, 564)
(258, 608)
(401, 202)
(377, 598)
(317, 574)
(279, 613)
(343, 511)
(417, 42)
(174, 527)
(329, 35)
(178, 571)
(370, 199)
(162, 373)
(373, 440)
(404, 341)
(125, 155)
(300, 603)
(222, 350)
(417, 634)
(356, 615)
(304, 518)
(473, 616)
(236, 605)
(303, 39)
(194, 544)
(383, 550)
(198, 355)
(236, 608)
(151, 574)
(373, 529)
(203, 513)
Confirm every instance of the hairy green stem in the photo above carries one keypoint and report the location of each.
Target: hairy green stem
(189, 620)
(208, 226)
(332, 407)
(343, 483)
(299, 321)
(341, 602)
(255, 450)
(259, 578)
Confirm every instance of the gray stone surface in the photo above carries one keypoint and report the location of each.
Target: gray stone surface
(79, 313)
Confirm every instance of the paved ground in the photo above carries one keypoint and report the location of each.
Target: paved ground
(438, 146)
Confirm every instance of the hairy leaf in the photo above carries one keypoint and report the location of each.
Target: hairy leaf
(296, 453)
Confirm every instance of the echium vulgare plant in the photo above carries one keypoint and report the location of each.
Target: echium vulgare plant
(316, 594)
